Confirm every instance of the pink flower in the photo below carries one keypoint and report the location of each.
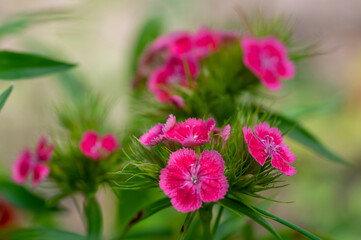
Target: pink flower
(189, 183)
(177, 101)
(225, 133)
(156, 134)
(44, 150)
(166, 79)
(191, 132)
(31, 164)
(22, 166)
(96, 147)
(268, 59)
(180, 44)
(205, 41)
(40, 172)
(267, 142)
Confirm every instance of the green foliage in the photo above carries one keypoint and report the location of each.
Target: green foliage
(94, 218)
(242, 209)
(298, 133)
(40, 234)
(288, 224)
(15, 65)
(73, 172)
(23, 198)
(89, 112)
(4, 96)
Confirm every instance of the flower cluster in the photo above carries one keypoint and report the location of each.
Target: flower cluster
(180, 54)
(34, 164)
(190, 180)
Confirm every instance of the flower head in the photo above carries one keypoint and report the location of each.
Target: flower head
(28, 163)
(267, 142)
(192, 132)
(156, 134)
(268, 59)
(189, 182)
(96, 147)
(167, 78)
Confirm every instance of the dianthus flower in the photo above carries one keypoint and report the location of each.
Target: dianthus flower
(96, 147)
(267, 142)
(156, 134)
(189, 182)
(268, 59)
(167, 78)
(191, 132)
(28, 163)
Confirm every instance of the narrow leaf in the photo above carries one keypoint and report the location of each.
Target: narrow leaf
(40, 234)
(4, 96)
(22, 197)
(15, 65)
(94, 218)
(241, 209)
(288, 224)
(148, 211)
(301, 135)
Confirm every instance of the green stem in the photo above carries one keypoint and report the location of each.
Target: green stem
(218, 218)
(205, 214)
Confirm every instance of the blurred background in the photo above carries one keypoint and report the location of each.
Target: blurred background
(100, 37)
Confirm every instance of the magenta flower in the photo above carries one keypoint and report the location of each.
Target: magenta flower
(267, 142)
(44, 150)
(226, 131)
(156, 134)
(96, 147)
(206, 41)
(22, 166)
(28, 163)
(166, 79)
(180, 43)
(268, 59)
(189, 182)
(191, 132)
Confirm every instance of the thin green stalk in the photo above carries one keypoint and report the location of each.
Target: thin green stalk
(218, 218)
(205, 214)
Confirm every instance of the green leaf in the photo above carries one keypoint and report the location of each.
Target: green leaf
(288, 224)
(150, 30)
(13, 26)
(4, 96)
(149, 234)
(186, 225)
(14, 65)
(94, 218)
(301, 135)
(148, 211)
(241, 209)
(22, 197)
(40, 234)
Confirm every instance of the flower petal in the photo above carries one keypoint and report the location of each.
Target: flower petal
(40, 173)
(153, 136)
(22, 166)
(109, 142)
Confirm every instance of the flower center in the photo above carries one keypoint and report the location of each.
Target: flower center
(97, 147)
(194, 174)
(194, 180)
(268, 62)
(268, 143)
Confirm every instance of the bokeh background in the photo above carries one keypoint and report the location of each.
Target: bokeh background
(100, 36)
